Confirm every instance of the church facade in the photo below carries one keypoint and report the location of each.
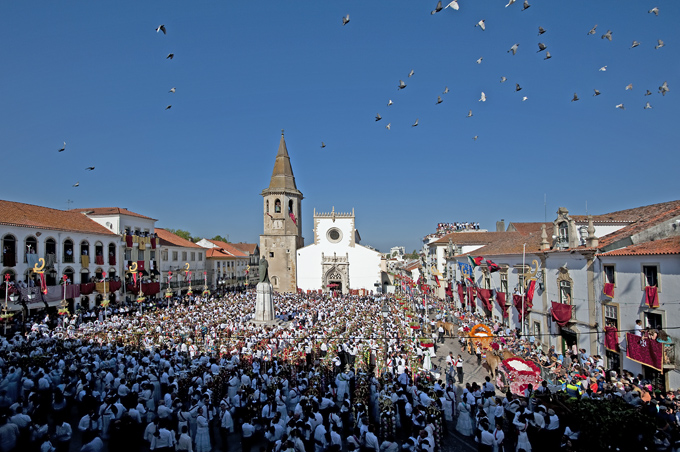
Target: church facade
(337, 260)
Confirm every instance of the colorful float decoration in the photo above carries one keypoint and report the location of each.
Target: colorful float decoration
(518, 373)
(481, 334)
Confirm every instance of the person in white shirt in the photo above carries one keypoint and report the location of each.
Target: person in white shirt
(370, 440)
(184, 441)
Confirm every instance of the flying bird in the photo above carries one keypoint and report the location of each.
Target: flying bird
(378, 117)
(541, 30)
(439, 100)
(517, 87)
(410, 74)
(90, 168)
(446, 90)
(603, 69)
(162, 28)
(483, 98)
(513, 49)
(63, 148)
(323, 145)
(648, 93)
(526, 5)
(659, 44)
(635, 44)
(607, 35)
(172, 90)
(592, 30)
(663, 89)
(479, 61)
(453, 5)
(541, 47)
(469, 115)
(597, 92)
(415, 124)
(475, 138)
(76, 184)
(345, 20)
(510, 2)
(481, 25)
(503, 79)
(388, 126)
(168, 107)
(629, 87)
(524, 98)
(437, 8)
(654, 10)
(575, 98)
(170, 56)
(389, 102)
(647, 106)
(547, 55)
(620, 106)
(402, 85)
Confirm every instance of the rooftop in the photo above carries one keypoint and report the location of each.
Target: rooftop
(97, 211)
(167, 238)
(31, 216)
(670, 245)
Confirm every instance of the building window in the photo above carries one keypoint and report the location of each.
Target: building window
(334, 235)
(174, 255)
(184, 256)
(31, 247)
(164, 255)
(537, 331)
(193, 256)
(609, 274)
(267, 206)
(611, 315)
(128, 254)
(277, 206)
(504, 285)
(290, 206)
(487, 280)
(271, 254)
(563, 234)
(68, 251)
(653, 320)
(140, 255)
(565, 292)
(650, 274)
(152, 255)
(200, 257)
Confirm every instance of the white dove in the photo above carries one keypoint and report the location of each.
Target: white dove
(513, 49)
(603, 69)
(647, 106)
(453, 5)
(481, 25)
(659, 44)
(345, 20)
(410, 74)
(483, 98)
(654, 10)
(510, 2)
(415, 124)
(469, 115)
(388, 126)
(389, 102)
(479, 61)
(620, 106)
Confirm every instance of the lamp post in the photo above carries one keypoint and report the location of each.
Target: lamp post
(385, 311)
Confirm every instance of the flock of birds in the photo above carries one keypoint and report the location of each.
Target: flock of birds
(542, 47)
(160, 28)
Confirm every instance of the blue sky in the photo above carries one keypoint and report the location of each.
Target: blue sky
(94, 74)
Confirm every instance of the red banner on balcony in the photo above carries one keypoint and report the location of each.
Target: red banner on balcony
(153, 243)
(485, 296)
(112, 259)
(99, 260)
(86, 289)
(500, 299)
(521, 305)
(652, 296)
(449, 289)
(128, 241)
(611, 339)
(561, 312)
(644, 350)
(114, 285)
(461, 294)
(608, 289)
(472, 295)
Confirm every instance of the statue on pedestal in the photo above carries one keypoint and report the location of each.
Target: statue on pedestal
(264, 270)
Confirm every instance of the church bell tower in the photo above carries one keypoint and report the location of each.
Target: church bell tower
(282, 217)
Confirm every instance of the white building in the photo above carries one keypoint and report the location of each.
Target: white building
(336, 260)
(228, 266)
(179, 255)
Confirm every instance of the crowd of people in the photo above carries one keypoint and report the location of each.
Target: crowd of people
(331, 374)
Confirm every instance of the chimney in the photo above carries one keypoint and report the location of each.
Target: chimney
(500, 226)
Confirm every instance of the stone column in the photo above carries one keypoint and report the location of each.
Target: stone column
(264, 303)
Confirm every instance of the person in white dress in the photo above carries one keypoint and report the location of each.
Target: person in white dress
(202, 433)
(464, 424)
(522, 438)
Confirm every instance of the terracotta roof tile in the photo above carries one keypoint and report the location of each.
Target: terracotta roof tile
(229, 248)
(31, 216)
(470, 238)
(670, 245)
(248, 248)
(167, 238)
(655, 216)
(218, 253)
(111, 211)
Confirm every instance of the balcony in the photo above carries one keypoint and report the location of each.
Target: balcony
(669, 357)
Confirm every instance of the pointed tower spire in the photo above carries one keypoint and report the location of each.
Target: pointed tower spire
(282, 176)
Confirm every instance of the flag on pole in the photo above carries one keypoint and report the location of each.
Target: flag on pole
(475, 261)
(493, 267)
(437, 281)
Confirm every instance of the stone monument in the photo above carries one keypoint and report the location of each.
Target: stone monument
(264, 303)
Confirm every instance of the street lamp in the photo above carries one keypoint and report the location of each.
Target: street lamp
(385, 311)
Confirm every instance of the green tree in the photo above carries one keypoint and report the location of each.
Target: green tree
(219, 238)
(181, 233)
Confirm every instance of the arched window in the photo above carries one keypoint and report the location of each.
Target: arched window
(50, 252)
(111, 274)
(69, 274)
(290, 207)
(563, 233)
(267, 206)
(84, 248)
(68, 251)
(31, 247)
(112, 254)
(275, 281)
(565, 292)
(9, 251)
(12, 276)
(84, 276)
(99, 253)
(277, 206)
(99, 273)
(51, 278)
